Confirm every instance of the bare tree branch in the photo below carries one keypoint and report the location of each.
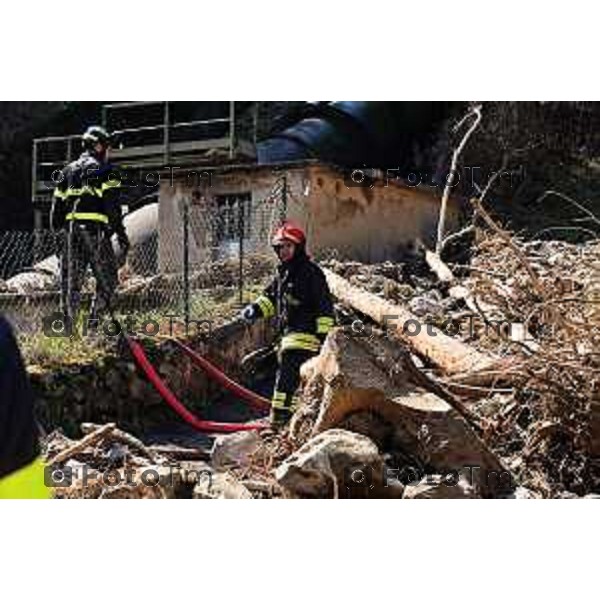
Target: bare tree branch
(457, 235)
(476, 112)
(590, 215)
(476, 203)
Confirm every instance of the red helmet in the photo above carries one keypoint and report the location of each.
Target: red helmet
(290, 233)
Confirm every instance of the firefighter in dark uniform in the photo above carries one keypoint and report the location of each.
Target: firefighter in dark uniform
(21, 467)
(300, 299)
(87, 207)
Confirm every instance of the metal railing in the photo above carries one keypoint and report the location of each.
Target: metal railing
(153, 145)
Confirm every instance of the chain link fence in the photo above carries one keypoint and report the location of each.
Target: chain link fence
(214, 258)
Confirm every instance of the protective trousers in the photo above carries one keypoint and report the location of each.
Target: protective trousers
(87, 244)
(286, 384)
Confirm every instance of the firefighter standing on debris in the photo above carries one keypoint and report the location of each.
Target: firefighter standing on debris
(299, 296)
(21, 467)
(86, 206)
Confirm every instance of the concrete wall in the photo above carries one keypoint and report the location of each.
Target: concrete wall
(364, 223)
(369, 224)
(114, 389)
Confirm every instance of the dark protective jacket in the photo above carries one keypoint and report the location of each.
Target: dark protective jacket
(300, 298)
(21, 468)
(89, 191)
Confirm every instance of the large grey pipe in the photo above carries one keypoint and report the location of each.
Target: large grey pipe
(376, 134)
(142, 230)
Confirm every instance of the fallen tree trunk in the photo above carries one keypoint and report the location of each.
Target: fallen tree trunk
(447, 353)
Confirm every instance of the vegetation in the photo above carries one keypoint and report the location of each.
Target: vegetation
(216, 306)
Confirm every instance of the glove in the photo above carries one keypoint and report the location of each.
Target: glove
(249, 313)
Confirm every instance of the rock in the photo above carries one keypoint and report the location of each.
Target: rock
(420, 424)
(310, 368)
(404, 291)
(31, 281)
(221, 486)
(234, 449)
(425, 305)
(336, 464)
(352, 380)
(439, 487)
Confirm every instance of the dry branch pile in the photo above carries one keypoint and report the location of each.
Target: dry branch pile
(539, 302)
(110, 463)
(532, 308)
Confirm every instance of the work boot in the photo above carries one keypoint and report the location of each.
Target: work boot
(281, 409)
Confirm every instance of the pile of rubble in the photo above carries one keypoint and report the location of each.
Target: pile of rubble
(390, 407)
(109, 463)
(548, 420)
(496, 395)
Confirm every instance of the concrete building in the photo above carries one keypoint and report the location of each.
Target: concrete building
(211, 164)
(378, 221)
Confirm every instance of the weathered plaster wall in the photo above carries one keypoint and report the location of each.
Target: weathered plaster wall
(369, 224)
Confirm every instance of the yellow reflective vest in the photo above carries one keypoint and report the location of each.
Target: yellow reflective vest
(21, 467)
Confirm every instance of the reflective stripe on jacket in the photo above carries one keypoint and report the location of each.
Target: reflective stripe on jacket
(88, 191)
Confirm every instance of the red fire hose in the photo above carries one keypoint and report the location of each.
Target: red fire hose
(252, 398)
(172, 400)
(169, 397)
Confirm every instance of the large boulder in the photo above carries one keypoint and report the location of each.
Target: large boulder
(363, 393)
(352, 382)
(336, 464)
